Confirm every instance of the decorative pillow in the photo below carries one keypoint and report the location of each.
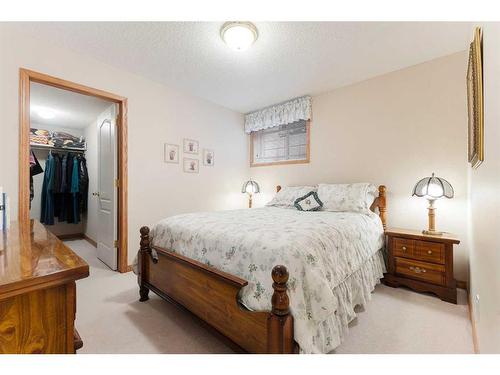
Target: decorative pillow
(287, 196)
(356, 197)
(309, 202)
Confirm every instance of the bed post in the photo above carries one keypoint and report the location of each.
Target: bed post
(143, 253)
(382, 208)
(278, 188)
(280, 322)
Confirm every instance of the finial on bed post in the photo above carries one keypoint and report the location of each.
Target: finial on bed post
(280, 322)
(144, 251)
(382, 207)
(280, 301)
(278, 188)
(145, 239)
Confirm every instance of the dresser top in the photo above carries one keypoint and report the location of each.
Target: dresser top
(418, 235)
(31, 256)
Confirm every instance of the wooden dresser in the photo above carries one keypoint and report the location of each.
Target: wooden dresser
(37, 291)
(421, 262)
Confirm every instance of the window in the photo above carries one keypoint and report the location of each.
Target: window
(284, 144)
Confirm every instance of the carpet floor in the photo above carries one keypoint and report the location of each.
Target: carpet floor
(110, 319)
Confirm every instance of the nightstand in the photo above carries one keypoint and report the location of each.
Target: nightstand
(421, 262)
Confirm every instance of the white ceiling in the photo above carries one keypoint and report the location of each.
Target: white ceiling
(71, 110)
(289, 59)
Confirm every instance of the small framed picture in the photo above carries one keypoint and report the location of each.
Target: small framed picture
(171, 153)
(208, 157)
(191, 165)
(190, 146)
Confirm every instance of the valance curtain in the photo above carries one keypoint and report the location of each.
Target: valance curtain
(279, 114)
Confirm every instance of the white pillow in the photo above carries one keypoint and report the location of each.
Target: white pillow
(287, 196)
(356, 197)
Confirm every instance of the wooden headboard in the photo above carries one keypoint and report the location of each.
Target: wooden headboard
(379, 202)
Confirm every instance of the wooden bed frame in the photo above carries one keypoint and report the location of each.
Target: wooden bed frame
(212, 295)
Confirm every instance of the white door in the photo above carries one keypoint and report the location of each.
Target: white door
(107, 190)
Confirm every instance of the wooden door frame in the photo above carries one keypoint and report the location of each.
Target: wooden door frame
(27, 76)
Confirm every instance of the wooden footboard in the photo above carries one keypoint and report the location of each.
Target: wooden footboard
(212, 295)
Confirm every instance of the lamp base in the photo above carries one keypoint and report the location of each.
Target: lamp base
(432, 232)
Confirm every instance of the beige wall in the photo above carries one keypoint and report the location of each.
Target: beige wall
(485, 206)
(393, 130)
(156, 115)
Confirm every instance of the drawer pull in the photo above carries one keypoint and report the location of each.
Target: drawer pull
(403, 248)
(417, 269)
(429, 252)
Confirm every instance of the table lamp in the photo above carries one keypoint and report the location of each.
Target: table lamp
(250, 187)
(433, 188)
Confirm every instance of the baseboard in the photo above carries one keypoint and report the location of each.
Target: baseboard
(77, 236)
(90, 240)
(67, 237)
(475, 341)
(462, 284)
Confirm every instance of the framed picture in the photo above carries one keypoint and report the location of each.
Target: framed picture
(208, 157)
(171, 153)
(191, 165)
(475, 101)
(190, 146)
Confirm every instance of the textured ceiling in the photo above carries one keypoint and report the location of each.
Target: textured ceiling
(71, 110)
(289, 59)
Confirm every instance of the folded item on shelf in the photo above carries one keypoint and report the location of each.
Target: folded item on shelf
(39, 136)
(62, 139)
(56, 139)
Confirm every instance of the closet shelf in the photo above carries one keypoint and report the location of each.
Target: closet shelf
(47, 147)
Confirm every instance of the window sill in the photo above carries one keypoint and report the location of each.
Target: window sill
(284, 162)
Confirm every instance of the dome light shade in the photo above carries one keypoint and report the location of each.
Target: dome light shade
(239, 35)
(250, 187)
(433, 188)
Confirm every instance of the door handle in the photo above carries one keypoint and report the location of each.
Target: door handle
(96, 194)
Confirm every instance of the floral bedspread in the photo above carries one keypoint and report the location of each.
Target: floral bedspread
(320, 250)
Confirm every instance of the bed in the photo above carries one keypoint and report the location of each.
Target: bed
(272, 279)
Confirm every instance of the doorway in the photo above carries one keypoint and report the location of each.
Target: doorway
(110, 197)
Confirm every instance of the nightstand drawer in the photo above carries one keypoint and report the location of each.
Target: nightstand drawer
(402, 247)
(432, 273)
(429, 251)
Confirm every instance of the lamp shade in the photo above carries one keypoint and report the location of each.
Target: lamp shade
(433, 188)
(250, 187)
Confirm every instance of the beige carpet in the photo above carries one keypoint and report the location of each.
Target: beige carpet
(111, 319)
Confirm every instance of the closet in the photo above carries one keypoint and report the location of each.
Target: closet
(64, 180)
(73, 170)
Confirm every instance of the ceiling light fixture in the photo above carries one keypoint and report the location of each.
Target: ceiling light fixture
(45, 113)
(239, 35)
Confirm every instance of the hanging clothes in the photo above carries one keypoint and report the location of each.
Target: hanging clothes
(83, 176)
(65, 188)
(75, 189)
(69, 201)
(57, 184)
(47, 210)
(35, 169)
(63, 208)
